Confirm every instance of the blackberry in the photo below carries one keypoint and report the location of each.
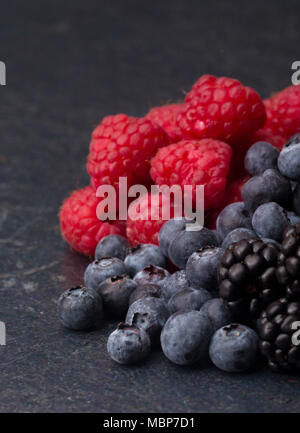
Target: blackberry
(278, 328)
(288, 269)
(247, 277)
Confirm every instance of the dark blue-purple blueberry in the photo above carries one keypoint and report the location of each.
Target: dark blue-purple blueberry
(202, 268)
(149, 314)
(187, 242)
(174, 283)
(188, 299)
(115, 292)
(269, 221)
(185, 337)
(80, 308)
(128, 344)
(231, 217)
(151, 275)
(112, 246)
(289, 159)
(234, 348)
(265, 187)
(218, 314)
(144, 255)
(236, 235)
(168, 232)
(100, 270)
(260, 157)
(145, 291)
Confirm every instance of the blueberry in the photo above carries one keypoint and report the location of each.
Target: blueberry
(296, 201)
(202, 268)
(174, 283)
(112, 246)
(115, 292)
(80, 308)
(269, 221)
(128, 344)
(289, 159)
(236, 235)
(186, 242)
(233, 216)
(234, 348)
(144, 255)
(100, 270)
(168, 232)
(266, 187)
(151, 274)
(145, 291)
(217, 313)
(260, 157)
(188, 299)
(185, 337)
(149, 314)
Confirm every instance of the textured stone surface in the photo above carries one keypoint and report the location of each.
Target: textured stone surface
(69, 64)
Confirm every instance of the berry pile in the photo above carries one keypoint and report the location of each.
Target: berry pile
(200, 141)
(230, 291)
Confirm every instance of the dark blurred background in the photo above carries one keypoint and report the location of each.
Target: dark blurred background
(69, 63)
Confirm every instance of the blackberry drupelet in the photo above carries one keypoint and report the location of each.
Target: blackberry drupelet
(288, 269)
(278, 328)
(247, 277)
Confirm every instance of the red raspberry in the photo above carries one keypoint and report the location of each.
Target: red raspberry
(234, 190)
(79, 224)
(221, 108)
(191, 162)
(267, 135)
(165, 116)
(122, 146)
(145, 230)
(211, 217)
(283, 112)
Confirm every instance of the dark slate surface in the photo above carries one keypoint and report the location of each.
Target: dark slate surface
(68, 64)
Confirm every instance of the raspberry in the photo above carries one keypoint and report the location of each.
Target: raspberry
(267, 135)
(122, 146)
(165, 116)
(221, 108)
(211, 217)
(79, 224)
(191, 162)
(234, 190)
(283, 112)
(145, 230)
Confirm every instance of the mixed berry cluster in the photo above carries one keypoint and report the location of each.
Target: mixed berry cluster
(201, 141)
(230, 291)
